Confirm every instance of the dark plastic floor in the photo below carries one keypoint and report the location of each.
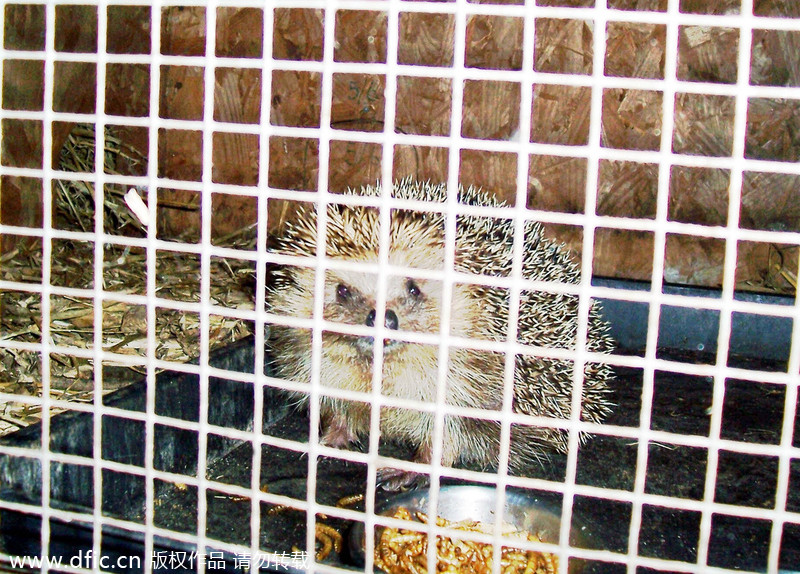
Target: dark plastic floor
(752, 413)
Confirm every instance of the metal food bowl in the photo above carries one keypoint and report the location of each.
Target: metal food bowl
(525, 510)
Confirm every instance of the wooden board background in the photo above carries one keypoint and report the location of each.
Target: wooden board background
(559, 115)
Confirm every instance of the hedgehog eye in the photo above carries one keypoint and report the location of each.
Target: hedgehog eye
(413, 289)
(343, 293)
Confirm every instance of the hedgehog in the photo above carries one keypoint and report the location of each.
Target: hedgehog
(475, 378)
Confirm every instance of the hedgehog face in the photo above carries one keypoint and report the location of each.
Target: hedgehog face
(411, 305)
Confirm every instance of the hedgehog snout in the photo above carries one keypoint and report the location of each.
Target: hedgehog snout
(390, 320)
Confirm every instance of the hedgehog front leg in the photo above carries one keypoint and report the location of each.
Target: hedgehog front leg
(394, 479)
(336, 431)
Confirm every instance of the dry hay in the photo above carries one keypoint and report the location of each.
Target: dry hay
(124, 325)
(74, 200)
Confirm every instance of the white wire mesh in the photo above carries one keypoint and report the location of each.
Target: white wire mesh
(660, 227)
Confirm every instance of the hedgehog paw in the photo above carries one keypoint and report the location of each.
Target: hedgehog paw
(393, 479)
(337, 435)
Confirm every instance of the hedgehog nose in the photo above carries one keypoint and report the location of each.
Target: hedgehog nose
(390, 320)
